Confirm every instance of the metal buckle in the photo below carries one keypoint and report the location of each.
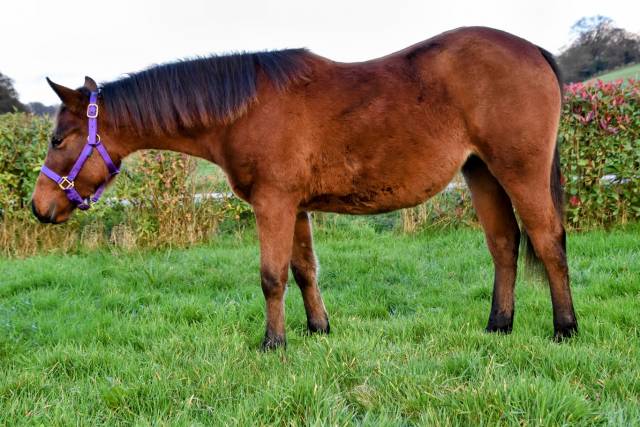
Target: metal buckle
(98, 140)
(92, 110)
(65, 183)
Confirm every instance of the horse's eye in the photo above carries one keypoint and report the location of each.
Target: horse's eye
(55, 141)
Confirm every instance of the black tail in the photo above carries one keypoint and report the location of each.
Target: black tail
(557, 193)
(548, 56)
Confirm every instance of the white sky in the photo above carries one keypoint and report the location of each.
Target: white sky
(67, 40)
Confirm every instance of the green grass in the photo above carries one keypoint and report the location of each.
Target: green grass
(630, 72)
(172, 337)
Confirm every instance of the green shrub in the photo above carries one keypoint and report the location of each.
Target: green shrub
(166, 196)
(23, 144)
(599, 140)
(451, 208)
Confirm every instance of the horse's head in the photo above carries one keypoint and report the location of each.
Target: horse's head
(55, 197)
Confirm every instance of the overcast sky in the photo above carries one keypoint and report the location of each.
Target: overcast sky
(67, 40)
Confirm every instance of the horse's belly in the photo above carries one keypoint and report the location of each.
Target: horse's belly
(372, 199)
(386, 176)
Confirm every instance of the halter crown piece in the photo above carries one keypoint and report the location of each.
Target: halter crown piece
(67, 182)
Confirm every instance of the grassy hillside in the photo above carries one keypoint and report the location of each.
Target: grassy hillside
(172, 338)
(630, 72)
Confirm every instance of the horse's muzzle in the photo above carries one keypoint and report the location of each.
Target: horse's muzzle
(45, 219)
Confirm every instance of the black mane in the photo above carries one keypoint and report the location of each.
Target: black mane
(189, 94)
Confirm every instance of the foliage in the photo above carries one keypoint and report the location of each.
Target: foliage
(171, 337)
(9, 102)
(169, 205)
(599, 46)
(451, 208)
(23, 143)
(599, 140)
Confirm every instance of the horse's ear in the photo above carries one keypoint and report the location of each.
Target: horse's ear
(69, 97)
(90, 84)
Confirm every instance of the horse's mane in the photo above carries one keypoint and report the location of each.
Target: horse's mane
(189, 94)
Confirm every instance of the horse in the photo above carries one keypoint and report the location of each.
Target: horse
(295, 132)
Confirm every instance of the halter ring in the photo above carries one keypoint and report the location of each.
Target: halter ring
(65, 183)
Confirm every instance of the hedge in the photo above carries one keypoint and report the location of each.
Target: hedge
(23, 145)
(599, 140)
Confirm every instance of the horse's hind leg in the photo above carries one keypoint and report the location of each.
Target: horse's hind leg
(530, 188)
(304, 268)
(544, 227)
(495, 213)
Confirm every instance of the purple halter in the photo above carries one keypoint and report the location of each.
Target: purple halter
(66, 183)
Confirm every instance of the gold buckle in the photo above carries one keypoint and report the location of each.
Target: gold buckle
(92, 116)
(65, 183)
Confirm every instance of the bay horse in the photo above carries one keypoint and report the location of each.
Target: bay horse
(295, 132)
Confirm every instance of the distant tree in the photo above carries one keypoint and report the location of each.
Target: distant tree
(40, 109)
(8, 96)
(598, 46)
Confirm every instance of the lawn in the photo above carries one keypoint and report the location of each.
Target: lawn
(630, 72)
(172, 337)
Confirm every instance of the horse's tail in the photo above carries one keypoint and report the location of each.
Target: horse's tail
(557, 192)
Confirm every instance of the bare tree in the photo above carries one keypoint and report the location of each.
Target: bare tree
(598, 46)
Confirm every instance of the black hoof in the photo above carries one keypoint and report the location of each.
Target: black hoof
(273, 342)
(318, 327)
(563, 332)
(499, 329)
(500, 323)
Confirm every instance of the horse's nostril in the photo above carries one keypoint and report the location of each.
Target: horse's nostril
(43, 219)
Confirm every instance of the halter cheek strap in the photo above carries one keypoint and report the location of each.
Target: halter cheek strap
(67, 182)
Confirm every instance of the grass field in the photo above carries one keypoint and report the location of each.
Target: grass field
(172, 338)
(630, 72)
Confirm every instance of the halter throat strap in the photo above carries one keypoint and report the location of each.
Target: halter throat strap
(67, 182)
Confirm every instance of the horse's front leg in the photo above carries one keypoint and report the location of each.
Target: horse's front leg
(304, 269)
(275, 218)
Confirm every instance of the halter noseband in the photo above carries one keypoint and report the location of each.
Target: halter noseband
(67, 182)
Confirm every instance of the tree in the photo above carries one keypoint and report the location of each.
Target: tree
(598, 46)
(8, 96)
(39, 109)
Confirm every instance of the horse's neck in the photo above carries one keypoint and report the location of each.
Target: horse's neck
(206, 144)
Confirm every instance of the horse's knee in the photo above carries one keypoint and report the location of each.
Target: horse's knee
(273, 283)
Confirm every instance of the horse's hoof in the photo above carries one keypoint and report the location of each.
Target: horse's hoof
(499, 329)
(500, 323)
(318, 327)
(563, 332)
(273, 342)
